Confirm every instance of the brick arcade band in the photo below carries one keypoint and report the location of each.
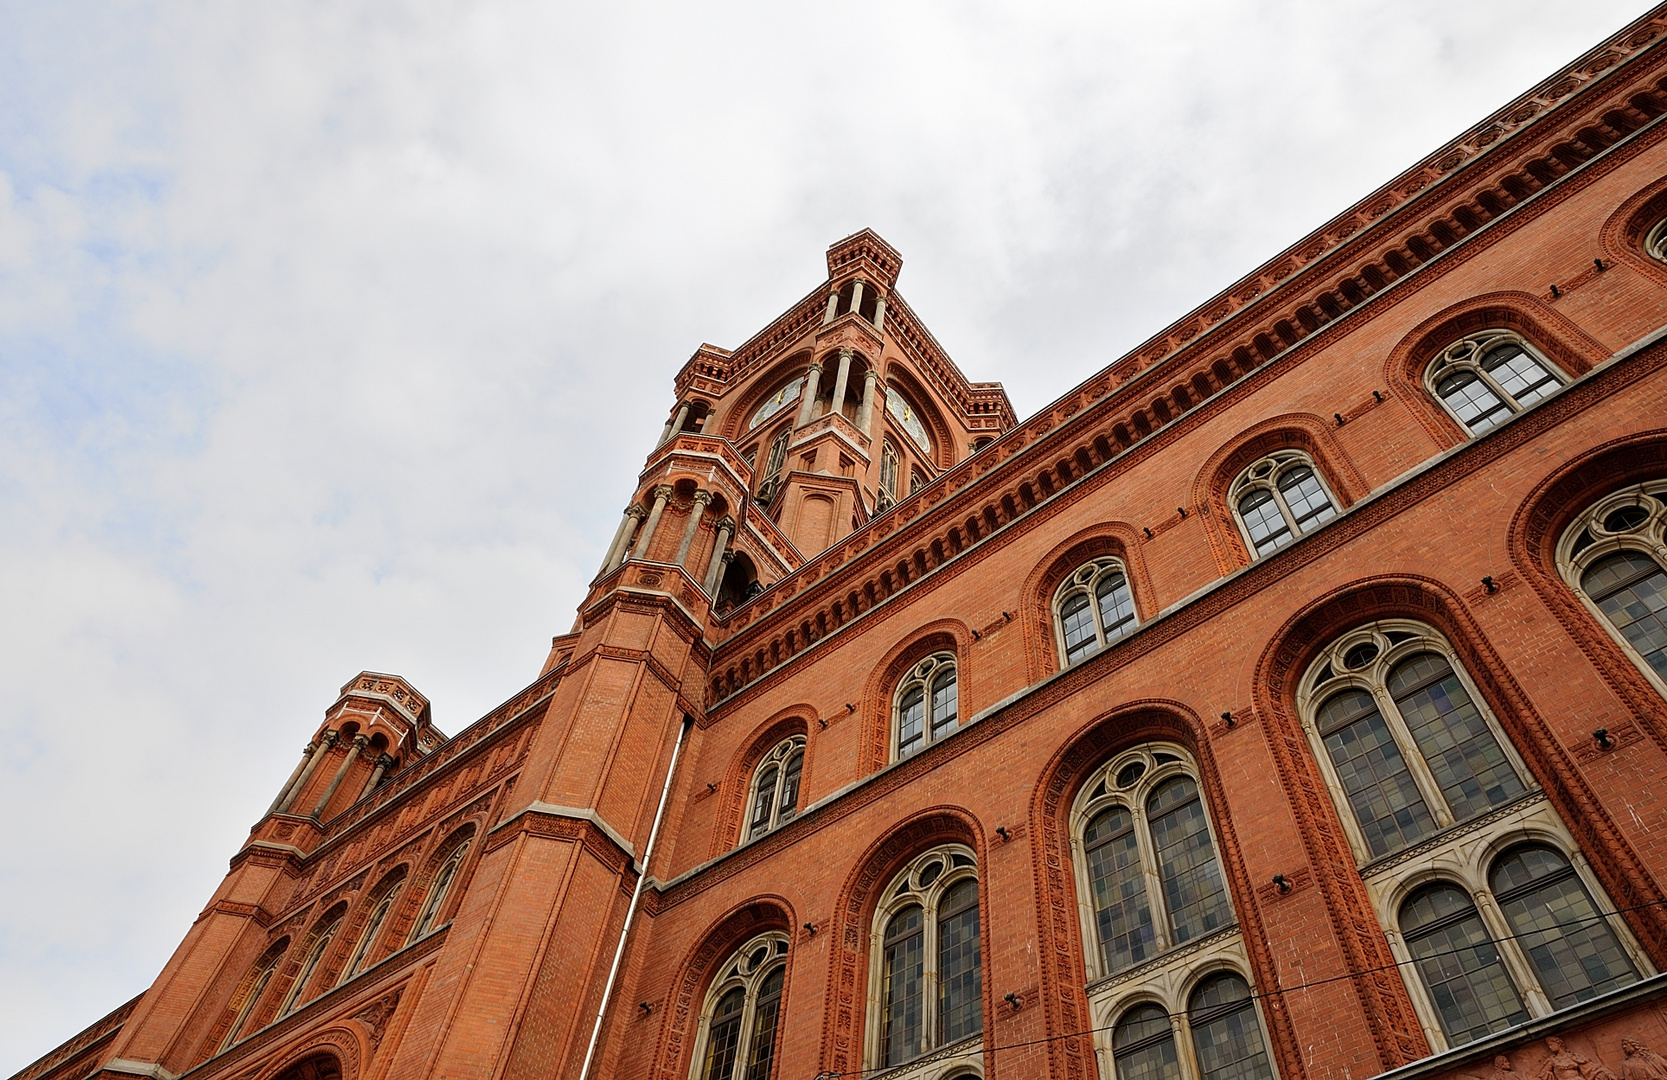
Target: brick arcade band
(1287, 700)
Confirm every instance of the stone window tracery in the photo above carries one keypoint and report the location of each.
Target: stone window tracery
(927, 957)
(1486, 378)
(317, 946)
(773, 462)
(382, 901)
(887, 496)
(1614, 556)
(926, 706)
(774, 796)
(255, 984)
(1092, 608)
(435, 902)
(1278, 499)
(741, 1017)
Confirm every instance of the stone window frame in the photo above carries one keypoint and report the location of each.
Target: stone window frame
(382, 899)
(1466, 353)
(960, 863)
(260, 976)
(775, 459)
(439, 891)
(1264, 474)
(923, 673)
(1655, 241)
(1171, 989)
(1648, 537)
(1084, 580)
(738, 972)
(780, 758)
(318, 943)
(1464, 858)
(1100, 792)
(1316, 688)
(885, 495)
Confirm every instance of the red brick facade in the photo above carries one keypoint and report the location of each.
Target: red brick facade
(834, 511)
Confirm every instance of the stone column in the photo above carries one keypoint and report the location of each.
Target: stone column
(865, 411)
(833, 307)
(841, 380)
(720, 556)
(813, 381)
(613, 545)
(697, 510)
(324, 744)
(633, 518)
(295, 774)
(674, 425)
(880, 313)
(360, 741)
(382, 763)
(856, 296)
(874, 411)
(661, 494)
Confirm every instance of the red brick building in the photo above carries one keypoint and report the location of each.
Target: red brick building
(1289, 699)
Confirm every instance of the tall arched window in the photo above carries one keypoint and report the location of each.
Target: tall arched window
(318, 944)
(742, 1014)
(254, 985)
(1092, 608)
(773, 462)
(1405, 737)
(1613, 555)
(887, 495)
(435, 902)
(1541, 945)
(1148, 868)
(382, 902)
(926, 706)
(775, 787)
(928, 958)
(1486, 378)
(1278, 499)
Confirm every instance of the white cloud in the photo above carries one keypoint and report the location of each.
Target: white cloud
(325, 329)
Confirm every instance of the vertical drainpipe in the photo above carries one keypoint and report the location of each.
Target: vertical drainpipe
(636, 897)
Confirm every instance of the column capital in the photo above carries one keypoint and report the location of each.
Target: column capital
(662, 491)
(361, 740)
(703, 497)
(871, 375)
(636, 510)
(845, 353)
(816, 366)
(384, 760)
(330, 737)
(726, 522)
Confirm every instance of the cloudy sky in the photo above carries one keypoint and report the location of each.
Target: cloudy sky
(332, 333)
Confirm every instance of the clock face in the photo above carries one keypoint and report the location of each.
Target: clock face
(907, 418)
(776, 402)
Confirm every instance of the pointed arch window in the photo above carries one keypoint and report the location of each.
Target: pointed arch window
(254, 985)
(435, 902)
(928, 957)
(1148, 869)
(775, 787)
(1408, 741)
(382, 902)
(1614, 556)
(1542, 944)
(1278, 499)
(773, 462)
(1487, 378)
(322, 936)
(741, 1019)
(1092, 608)
(926, 707)
(887, 496)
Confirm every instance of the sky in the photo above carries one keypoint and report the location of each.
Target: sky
(333, 334)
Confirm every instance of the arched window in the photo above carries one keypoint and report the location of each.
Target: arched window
(928, 958)
(887, 496)
(254, 985)
(323, 934)
(382, 902)
(773, 463)
(1406, 738)
(1143, 1045)
(1226, 1034)
(742, 1015)
(1542, 945)
(1278, 499)
(1613, 556)
(436, 900)
(1655, 241)
(1486, 378)
(1148, 867)
(926, 707)
(1092, 608)
(775, 787)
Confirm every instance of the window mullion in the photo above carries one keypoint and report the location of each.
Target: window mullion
(929, 976)
(1508, 399)
(1161, 932)
(1186, 1054)
(1534, 997)
(1417, 767)
(1285, 510)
